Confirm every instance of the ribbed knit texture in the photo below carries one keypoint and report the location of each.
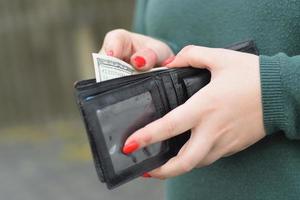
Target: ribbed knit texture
(273, 104)
(269, 169)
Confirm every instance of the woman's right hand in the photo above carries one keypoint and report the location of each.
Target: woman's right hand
(142, 52)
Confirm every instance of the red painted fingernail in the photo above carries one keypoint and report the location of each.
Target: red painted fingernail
(146, 175)
(139, 61)
(130, 147)
(110, 53)
(168, 61)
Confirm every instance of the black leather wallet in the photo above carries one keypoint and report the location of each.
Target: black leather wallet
(114, 109)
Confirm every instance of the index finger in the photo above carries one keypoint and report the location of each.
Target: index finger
(174, 123)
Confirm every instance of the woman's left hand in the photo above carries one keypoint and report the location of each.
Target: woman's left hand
(225, 116)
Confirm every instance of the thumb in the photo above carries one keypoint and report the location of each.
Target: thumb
(196, 56)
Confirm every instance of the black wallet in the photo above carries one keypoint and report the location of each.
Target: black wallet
(114, 109)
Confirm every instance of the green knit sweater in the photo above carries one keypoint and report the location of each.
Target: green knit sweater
(269, 169)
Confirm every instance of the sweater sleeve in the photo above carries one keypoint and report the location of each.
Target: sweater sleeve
(280, 83)
(139, 16)
(139, 23)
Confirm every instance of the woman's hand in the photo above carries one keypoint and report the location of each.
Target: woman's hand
(225, 116)
(143, 52)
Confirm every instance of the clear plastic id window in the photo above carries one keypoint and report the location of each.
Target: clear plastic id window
(128, 115)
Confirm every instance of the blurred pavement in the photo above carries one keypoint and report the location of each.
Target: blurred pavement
(46, 47)
(52, 161)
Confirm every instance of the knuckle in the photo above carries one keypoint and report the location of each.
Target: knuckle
(188, 48)
(146, 138)
(144, 135)
(116, 32)
(121, 31)
(170, 125)
(186, 166)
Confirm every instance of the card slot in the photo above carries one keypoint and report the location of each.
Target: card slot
(100, 91)
(194, 83)
(91, 83)
(90, 87)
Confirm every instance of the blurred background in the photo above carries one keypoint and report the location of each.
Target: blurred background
(45, 46)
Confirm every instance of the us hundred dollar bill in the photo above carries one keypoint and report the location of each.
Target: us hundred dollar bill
(108, 67)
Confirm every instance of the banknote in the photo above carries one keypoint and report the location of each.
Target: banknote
(108, 67)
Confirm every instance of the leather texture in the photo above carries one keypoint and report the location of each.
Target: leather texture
(114, 109)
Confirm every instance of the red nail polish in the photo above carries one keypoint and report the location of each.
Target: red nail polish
(168, 61)
(110, 53)
(146, 175)
(139, 61)
(130, 147)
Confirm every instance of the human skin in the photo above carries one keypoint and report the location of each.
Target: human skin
(141, 51)
(224, 117)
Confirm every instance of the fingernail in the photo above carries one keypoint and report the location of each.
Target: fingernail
(139, 61)
(168, 61)
(146, 175)
(130, 147)
(110, 53)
